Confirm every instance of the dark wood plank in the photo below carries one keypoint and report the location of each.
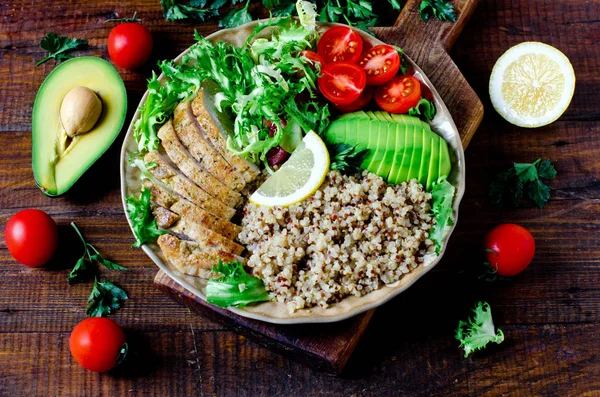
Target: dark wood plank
(550, 314)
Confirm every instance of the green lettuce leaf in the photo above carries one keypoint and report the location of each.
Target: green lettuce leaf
(234, 287)
(143, 223)
(442, 196)
(478, 331)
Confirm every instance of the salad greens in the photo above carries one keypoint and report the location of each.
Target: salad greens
(257, 82)
(478, 331)
(424, 108)
(521, 178)
(234, 287)
(439, 9)
(346, 158)
(106, 298)
(442, 194)
(84, 269)
(58, 47)
(143, 223)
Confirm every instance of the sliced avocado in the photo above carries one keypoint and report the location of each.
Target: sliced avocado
(394, 132)
(425, 158)
(402, 154)
(415, 163)
(380, 130)
(59, 161)
(434, 162)
(370, 140)
(445, 161)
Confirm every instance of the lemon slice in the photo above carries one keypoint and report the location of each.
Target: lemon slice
(532, 84)
(298, 178)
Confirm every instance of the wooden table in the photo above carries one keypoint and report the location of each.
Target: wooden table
(550, 314)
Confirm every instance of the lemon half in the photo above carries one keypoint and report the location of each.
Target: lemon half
(532, 84)
(298, 178)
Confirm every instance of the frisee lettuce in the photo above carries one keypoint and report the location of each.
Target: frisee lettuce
(475, 333)
(143, 223)
(234, 287)
(442, 195)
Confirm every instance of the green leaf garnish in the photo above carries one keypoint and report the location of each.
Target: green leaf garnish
(478, 331)
(442, 196)
(439, 9)
(143, 223)
(346, 158)
(105, 298)
(234, 287)
(424, 108)
(58, 47)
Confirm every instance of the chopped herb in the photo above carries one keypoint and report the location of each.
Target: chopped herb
(105, 299)
(58, 47)
(234, 287)
(84, 269)
(441, 206)
(523, 178)
(478, 331)
(439, 9)
(143, 223)
(346, 158)
(424, 108)
(174, 10)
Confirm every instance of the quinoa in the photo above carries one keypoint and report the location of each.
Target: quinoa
(353, 236)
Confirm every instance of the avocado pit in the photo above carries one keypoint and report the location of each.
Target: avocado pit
(79, 111)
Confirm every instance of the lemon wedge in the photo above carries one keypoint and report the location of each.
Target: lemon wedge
(532, 84)
(298, 178)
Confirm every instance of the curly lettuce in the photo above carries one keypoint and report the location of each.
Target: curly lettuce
(442, 196)
(475, 333)
(234, 287)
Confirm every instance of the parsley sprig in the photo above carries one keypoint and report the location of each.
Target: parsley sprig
(439, 9)
(523, 179)
(346, 158)
(84, 268)
(106, 298)
(58, 47)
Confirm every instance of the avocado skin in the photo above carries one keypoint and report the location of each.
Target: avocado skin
(401, 147)
(55, 177)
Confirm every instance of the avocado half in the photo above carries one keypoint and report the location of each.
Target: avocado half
(59, 161)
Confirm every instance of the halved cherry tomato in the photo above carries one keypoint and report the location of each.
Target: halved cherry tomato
(362, 101)
(342, 83)
(380, 63)
(398, 95)
(340, 44)
(313, 57)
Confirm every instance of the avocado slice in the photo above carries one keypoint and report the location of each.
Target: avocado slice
(425, 158)
(445, 161)
(434, 162)
(402, 161)
(59, 161)
(380, 132)
(394, 132)
(415, 163)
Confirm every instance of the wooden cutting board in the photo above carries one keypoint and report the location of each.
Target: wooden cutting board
(327, 347)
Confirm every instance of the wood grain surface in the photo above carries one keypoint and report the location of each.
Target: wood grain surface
(550, 314)
(329, 350)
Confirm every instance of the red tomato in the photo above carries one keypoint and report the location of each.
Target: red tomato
(340, 44)
(313, 57)
(513, 248)
(96, 343)
(31, 237)
(342, 83)
(130, 45)
(380, 63)
(399, 94)
(362, 101)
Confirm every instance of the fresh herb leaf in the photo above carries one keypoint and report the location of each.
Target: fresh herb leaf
(424, 108)
(442, 196)
(439, 9)
(523, 178)
(174, 10)
(105, 298)
(143, 223)
(478, 331)
(84, 269)
(346, 158)
(236, 17)
(234, 287)
(58, 47)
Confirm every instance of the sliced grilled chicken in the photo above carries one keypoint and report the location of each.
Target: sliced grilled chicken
(202, 151)
(193, 213)
(190, 168)
(190, 258)
(218, 138)
(205, 237)
(183, 186)
(165, 218)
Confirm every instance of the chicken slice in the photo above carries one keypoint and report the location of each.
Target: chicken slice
(213, 134)
(205, 237)
(183, 186)
(202, 151)
(188, 166)
(165, 218)
(190, 257)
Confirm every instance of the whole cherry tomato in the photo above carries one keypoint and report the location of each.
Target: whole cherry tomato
(31, 237)
(509, 249)
(130, 45)
(97, 344)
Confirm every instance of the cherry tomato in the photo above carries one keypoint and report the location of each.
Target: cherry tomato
(399, 94)
(340, 44)
(509, 249)
(362, 101)
(130, 45)
(342, 83)
(313, 57)
(97, 343)
(380, 63)
(31, 237)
